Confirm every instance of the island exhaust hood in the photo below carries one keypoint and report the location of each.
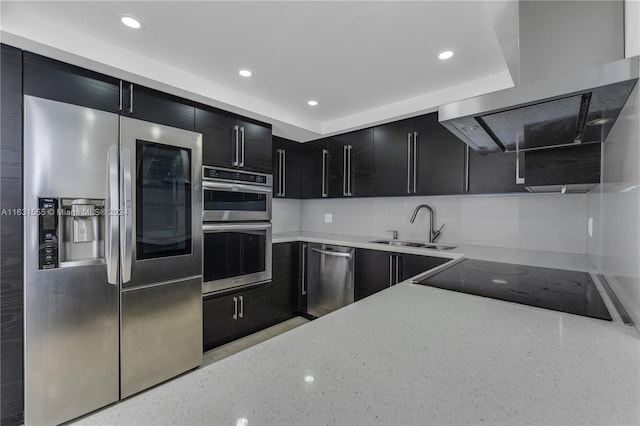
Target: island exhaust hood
(579, 107)
(571, 82)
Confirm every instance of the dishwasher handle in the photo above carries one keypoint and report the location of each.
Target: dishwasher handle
(332, 253)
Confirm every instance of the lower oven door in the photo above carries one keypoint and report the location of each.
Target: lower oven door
(235, 255)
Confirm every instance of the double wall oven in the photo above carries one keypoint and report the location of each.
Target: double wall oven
(236, 228)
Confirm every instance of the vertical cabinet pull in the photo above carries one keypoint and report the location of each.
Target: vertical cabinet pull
(242, 142)
(235, 308)
(466, 168)
(325, 153)
(280, 192)
(345, 183)
(304, 270)
(415, 161)
(390, 270)
(241, 314)
(408, 163)
(130, 98)
(350, 172)
(397, 269)
(236, 160)
(120, 92)
(284, 173)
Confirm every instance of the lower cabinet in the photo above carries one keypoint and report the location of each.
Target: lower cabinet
(233, 315)
(376, 270)
(285, 279)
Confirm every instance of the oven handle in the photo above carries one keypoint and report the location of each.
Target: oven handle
(207, 227)
(237, 187)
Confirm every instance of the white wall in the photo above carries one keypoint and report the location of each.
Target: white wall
(615, 209)
(551, 222)
(286, 215)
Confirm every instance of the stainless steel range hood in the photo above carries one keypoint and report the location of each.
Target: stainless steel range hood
(579, 107)
(572, 81)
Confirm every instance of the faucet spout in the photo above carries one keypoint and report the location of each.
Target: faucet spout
(432, 235)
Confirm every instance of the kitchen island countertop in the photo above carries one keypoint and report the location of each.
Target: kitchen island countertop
(412, 355)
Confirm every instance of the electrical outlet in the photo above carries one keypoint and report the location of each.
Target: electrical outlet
(328, 218)
(590, 227)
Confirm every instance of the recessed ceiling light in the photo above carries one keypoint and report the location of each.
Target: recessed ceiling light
(131, 22)
(446, 54)
(245, 73)
(312, 103)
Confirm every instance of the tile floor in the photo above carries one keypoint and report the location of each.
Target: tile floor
(236, 346)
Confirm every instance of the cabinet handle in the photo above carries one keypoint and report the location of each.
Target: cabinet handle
(519, 180)
(408, 163)
(235, 308)
(242, 140)
(130, 98)
(279, 152)
(390, 270)
(415, 161)
(284, 173)
(397, 269)
(350, 185)
(345, 191)
(325, 153)
(237, 132)
(304, 270)
(466, 168)
(120, 95)
(241, 315)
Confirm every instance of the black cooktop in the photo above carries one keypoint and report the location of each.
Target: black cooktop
(566, 291)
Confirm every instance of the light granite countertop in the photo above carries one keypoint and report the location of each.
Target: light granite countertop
(414, 355)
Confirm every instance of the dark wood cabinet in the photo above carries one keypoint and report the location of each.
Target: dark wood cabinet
(287, 163)
(232, 142)
(58, 81)
(376, 270)
(11, 238)
(285, 279)
(313, 169)
(563, 166)
(151, 105)
(229, 316)
(392, 158)
(439, 158)
(492, 174)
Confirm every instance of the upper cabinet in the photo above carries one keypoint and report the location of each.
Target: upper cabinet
(492, 173)
(417, 156)
(287, 159)
(233, 142)
(58, 81)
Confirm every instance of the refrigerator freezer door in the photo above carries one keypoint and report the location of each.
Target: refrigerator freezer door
(71, 311)
(161, 333)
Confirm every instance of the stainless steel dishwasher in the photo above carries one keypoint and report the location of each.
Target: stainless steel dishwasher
(330, 278)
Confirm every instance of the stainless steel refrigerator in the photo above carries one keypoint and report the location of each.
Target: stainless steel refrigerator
(113, 247)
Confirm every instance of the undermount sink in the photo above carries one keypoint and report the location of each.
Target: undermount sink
(399, 243)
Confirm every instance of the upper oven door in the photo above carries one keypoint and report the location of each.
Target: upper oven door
(235, 202)
(235, 255)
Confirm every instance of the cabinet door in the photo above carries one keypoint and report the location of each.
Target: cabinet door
(218, 136)
(412, 265)
(563, 166)
(374, 271)
(255, 152)
(158, 107)
(361, 163)
(312, 169)
(391, 158)
(439, 159)
(219, 326)
(290, 185)
(55, 80)
(255, 309)
(492, 174)
(285, 277)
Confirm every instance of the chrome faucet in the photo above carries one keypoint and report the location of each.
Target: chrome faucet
(432, 235)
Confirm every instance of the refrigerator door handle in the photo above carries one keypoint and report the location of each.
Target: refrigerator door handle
(127, 228)
(111, 216)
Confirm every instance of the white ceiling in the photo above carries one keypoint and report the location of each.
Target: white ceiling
(365, 62)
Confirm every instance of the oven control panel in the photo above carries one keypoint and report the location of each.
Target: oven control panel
(231, 175)
(48, 233)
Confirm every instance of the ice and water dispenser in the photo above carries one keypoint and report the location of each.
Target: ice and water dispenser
(71, 232)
